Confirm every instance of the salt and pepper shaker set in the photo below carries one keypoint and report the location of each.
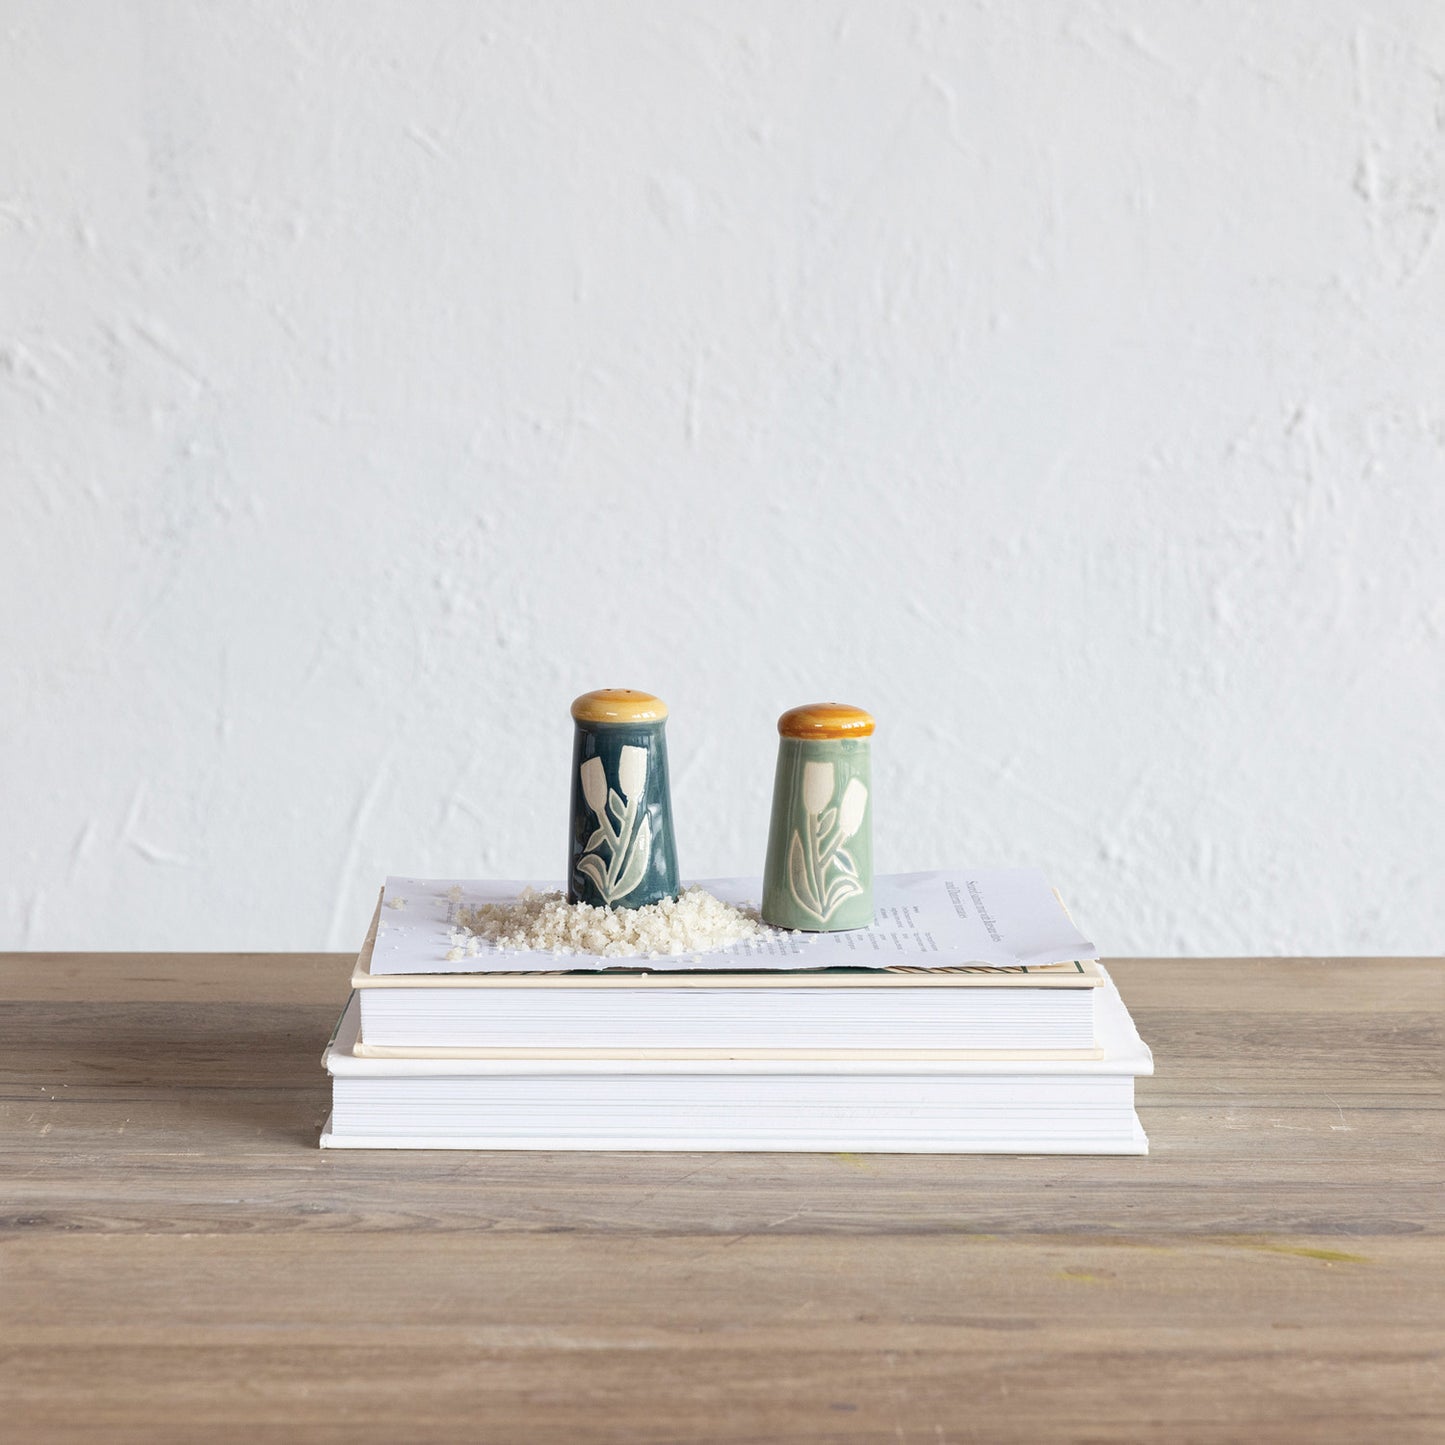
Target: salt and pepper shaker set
(819, 870)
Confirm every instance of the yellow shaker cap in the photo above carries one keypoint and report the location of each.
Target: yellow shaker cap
(822, 720)
(618, 705)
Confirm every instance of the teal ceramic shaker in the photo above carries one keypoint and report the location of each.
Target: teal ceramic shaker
(623, 855)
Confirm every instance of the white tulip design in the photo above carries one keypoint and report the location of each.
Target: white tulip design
(817, 786)
(594, 784)
(821, 872)
(852, 808)
(623, 829)
(632, 771)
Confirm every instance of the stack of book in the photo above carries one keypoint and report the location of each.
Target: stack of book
(775, 1046)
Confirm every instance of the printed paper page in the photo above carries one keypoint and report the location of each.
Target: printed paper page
(1002, 917)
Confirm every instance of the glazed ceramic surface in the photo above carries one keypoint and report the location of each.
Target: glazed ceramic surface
(819, 870)
(623, 855)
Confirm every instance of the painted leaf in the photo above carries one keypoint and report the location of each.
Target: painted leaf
(615, 805)
(802, 890)
(593, 868)
(825, 823)
(840, 890)
(595, 841)
(637, 859)
(843, 862)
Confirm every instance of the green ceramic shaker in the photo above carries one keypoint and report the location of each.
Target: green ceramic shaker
(623, 855)
(819, 870)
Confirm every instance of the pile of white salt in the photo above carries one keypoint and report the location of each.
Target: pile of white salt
(693, 922)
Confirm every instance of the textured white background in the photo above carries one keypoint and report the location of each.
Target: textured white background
(1062, 381)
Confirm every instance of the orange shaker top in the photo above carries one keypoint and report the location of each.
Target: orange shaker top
(618, 705)
(825, 720)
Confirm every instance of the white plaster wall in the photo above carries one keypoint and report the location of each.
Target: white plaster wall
(1062, 381)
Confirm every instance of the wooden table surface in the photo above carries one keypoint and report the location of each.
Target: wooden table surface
(180, 1261)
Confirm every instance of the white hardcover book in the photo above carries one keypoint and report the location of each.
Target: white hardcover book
(914, 1104)
(622, 1018)
(955, 1011)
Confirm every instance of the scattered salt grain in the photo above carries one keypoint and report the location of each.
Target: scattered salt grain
(693, 922)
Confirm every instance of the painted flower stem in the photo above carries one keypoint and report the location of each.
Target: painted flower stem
(816, 864)
(621, 843)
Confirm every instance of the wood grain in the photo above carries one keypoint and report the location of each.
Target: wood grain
(178, 1259)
